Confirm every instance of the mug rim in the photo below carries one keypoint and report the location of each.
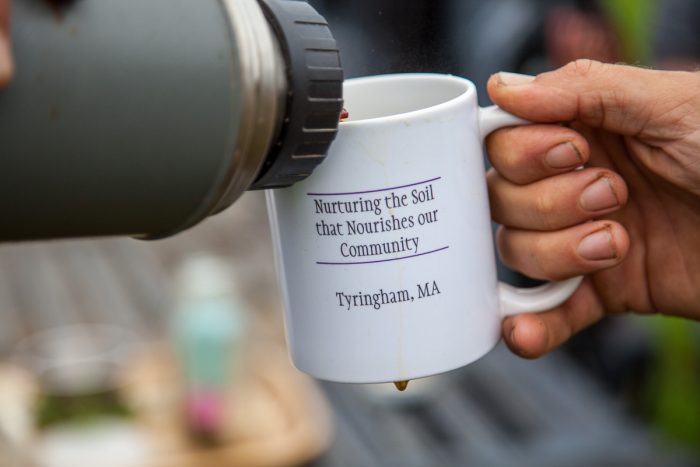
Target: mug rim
(468, 92)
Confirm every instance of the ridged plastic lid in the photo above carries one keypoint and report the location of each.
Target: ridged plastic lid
(315, 93)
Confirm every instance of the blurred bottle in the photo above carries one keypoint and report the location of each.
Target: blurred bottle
(209, 327)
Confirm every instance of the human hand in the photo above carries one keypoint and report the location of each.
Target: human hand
(629, 220)
(6, 66)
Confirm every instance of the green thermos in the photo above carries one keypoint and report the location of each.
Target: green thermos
(144, 117)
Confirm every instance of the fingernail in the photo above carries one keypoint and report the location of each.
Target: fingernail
(514, 79)
(563, 156)
(598, 246)
(598, 196)
(6, 65)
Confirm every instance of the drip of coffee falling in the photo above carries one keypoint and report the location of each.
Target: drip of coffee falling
(401, 385)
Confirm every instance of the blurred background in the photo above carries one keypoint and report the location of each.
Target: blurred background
(118, 352)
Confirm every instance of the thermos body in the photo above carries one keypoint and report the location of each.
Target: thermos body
(136, 117)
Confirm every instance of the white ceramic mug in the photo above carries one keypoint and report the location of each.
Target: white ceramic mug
(385, 253)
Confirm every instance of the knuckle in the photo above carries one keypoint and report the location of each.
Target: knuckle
(545, 268)
(591, 108)
(604, 97)
(546, 207)
(500, 148)
(583, 67)
(549, 261)
(510, 161)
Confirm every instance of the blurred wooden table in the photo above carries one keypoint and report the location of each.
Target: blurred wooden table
(499, 412)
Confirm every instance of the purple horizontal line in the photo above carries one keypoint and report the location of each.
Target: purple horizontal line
(382, 260)
(374, 191)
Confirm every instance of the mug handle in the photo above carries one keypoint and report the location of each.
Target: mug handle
(516, 300)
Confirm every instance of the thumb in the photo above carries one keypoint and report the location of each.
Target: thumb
(618, 98)
(6, 65)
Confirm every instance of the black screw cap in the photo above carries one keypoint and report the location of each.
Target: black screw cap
(315, 93)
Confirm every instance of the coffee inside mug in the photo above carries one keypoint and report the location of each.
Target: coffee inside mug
(374, 98)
